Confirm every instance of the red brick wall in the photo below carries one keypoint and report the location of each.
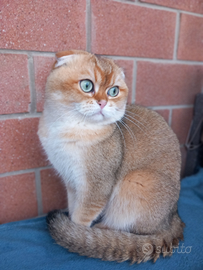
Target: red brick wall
(159, 44)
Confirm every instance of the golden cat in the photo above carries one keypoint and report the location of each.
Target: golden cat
(120, 165)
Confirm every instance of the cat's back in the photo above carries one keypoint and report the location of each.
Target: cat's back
(148, 127)
(149, 141)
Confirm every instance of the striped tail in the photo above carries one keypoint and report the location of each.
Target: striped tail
(111, 245)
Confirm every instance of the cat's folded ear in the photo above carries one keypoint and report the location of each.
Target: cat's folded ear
(65, 57)
(122, 73)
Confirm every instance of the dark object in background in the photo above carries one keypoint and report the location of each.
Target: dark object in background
(194, 142)
(201, 149)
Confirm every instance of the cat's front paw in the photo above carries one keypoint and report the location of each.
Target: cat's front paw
(101, 226)
(81, 219)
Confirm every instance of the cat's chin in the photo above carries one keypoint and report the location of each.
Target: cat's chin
(101, 119)
(102, 122)
(98, 117)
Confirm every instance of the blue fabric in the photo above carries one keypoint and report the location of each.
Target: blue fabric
(28, 245)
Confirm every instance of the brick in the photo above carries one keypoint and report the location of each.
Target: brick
(125, 29)
(14, 84)
(19, 145)
(43, 25)
(190, 46)
(181, 121)
(42, 68)
(127, 66)
(17, 197)
(167, 84)
(191, 5)
(53, 191)
(164, 114)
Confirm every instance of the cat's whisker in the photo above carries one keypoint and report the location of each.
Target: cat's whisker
(83, 121)
(135, 114)
(121, 135)
(134, 119)
(65, 114)
(128, 129)
(134, 123)
(61, 116)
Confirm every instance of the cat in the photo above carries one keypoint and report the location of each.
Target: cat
(120, 164)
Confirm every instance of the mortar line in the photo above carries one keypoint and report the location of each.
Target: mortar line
(170, 117)
(14, 51)
(45, 54)
(159, 7)
(38, 192)
(32, 84)
(134, 82)
(176, 40)
(88, 25)
(153, 60)
(116, 57)
(168, 107)
(20, 115)
(24, 171)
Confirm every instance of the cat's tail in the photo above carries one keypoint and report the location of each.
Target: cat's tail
(113, 245)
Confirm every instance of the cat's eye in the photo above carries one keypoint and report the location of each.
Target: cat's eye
(113, 92)
(86, 86)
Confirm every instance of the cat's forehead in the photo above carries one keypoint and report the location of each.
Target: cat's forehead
(70, 70)
(107, 73)
(104, 72)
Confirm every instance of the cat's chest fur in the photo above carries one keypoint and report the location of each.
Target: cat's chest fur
(67, 157)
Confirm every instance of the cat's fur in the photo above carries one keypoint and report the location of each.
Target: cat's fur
(122, 165)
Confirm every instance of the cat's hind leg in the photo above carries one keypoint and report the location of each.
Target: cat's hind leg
(140, 202)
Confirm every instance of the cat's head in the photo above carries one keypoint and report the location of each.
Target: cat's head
(89, 88)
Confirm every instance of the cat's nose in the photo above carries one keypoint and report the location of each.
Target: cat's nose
(102, 103)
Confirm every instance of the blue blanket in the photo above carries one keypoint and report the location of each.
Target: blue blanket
(28, 245)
